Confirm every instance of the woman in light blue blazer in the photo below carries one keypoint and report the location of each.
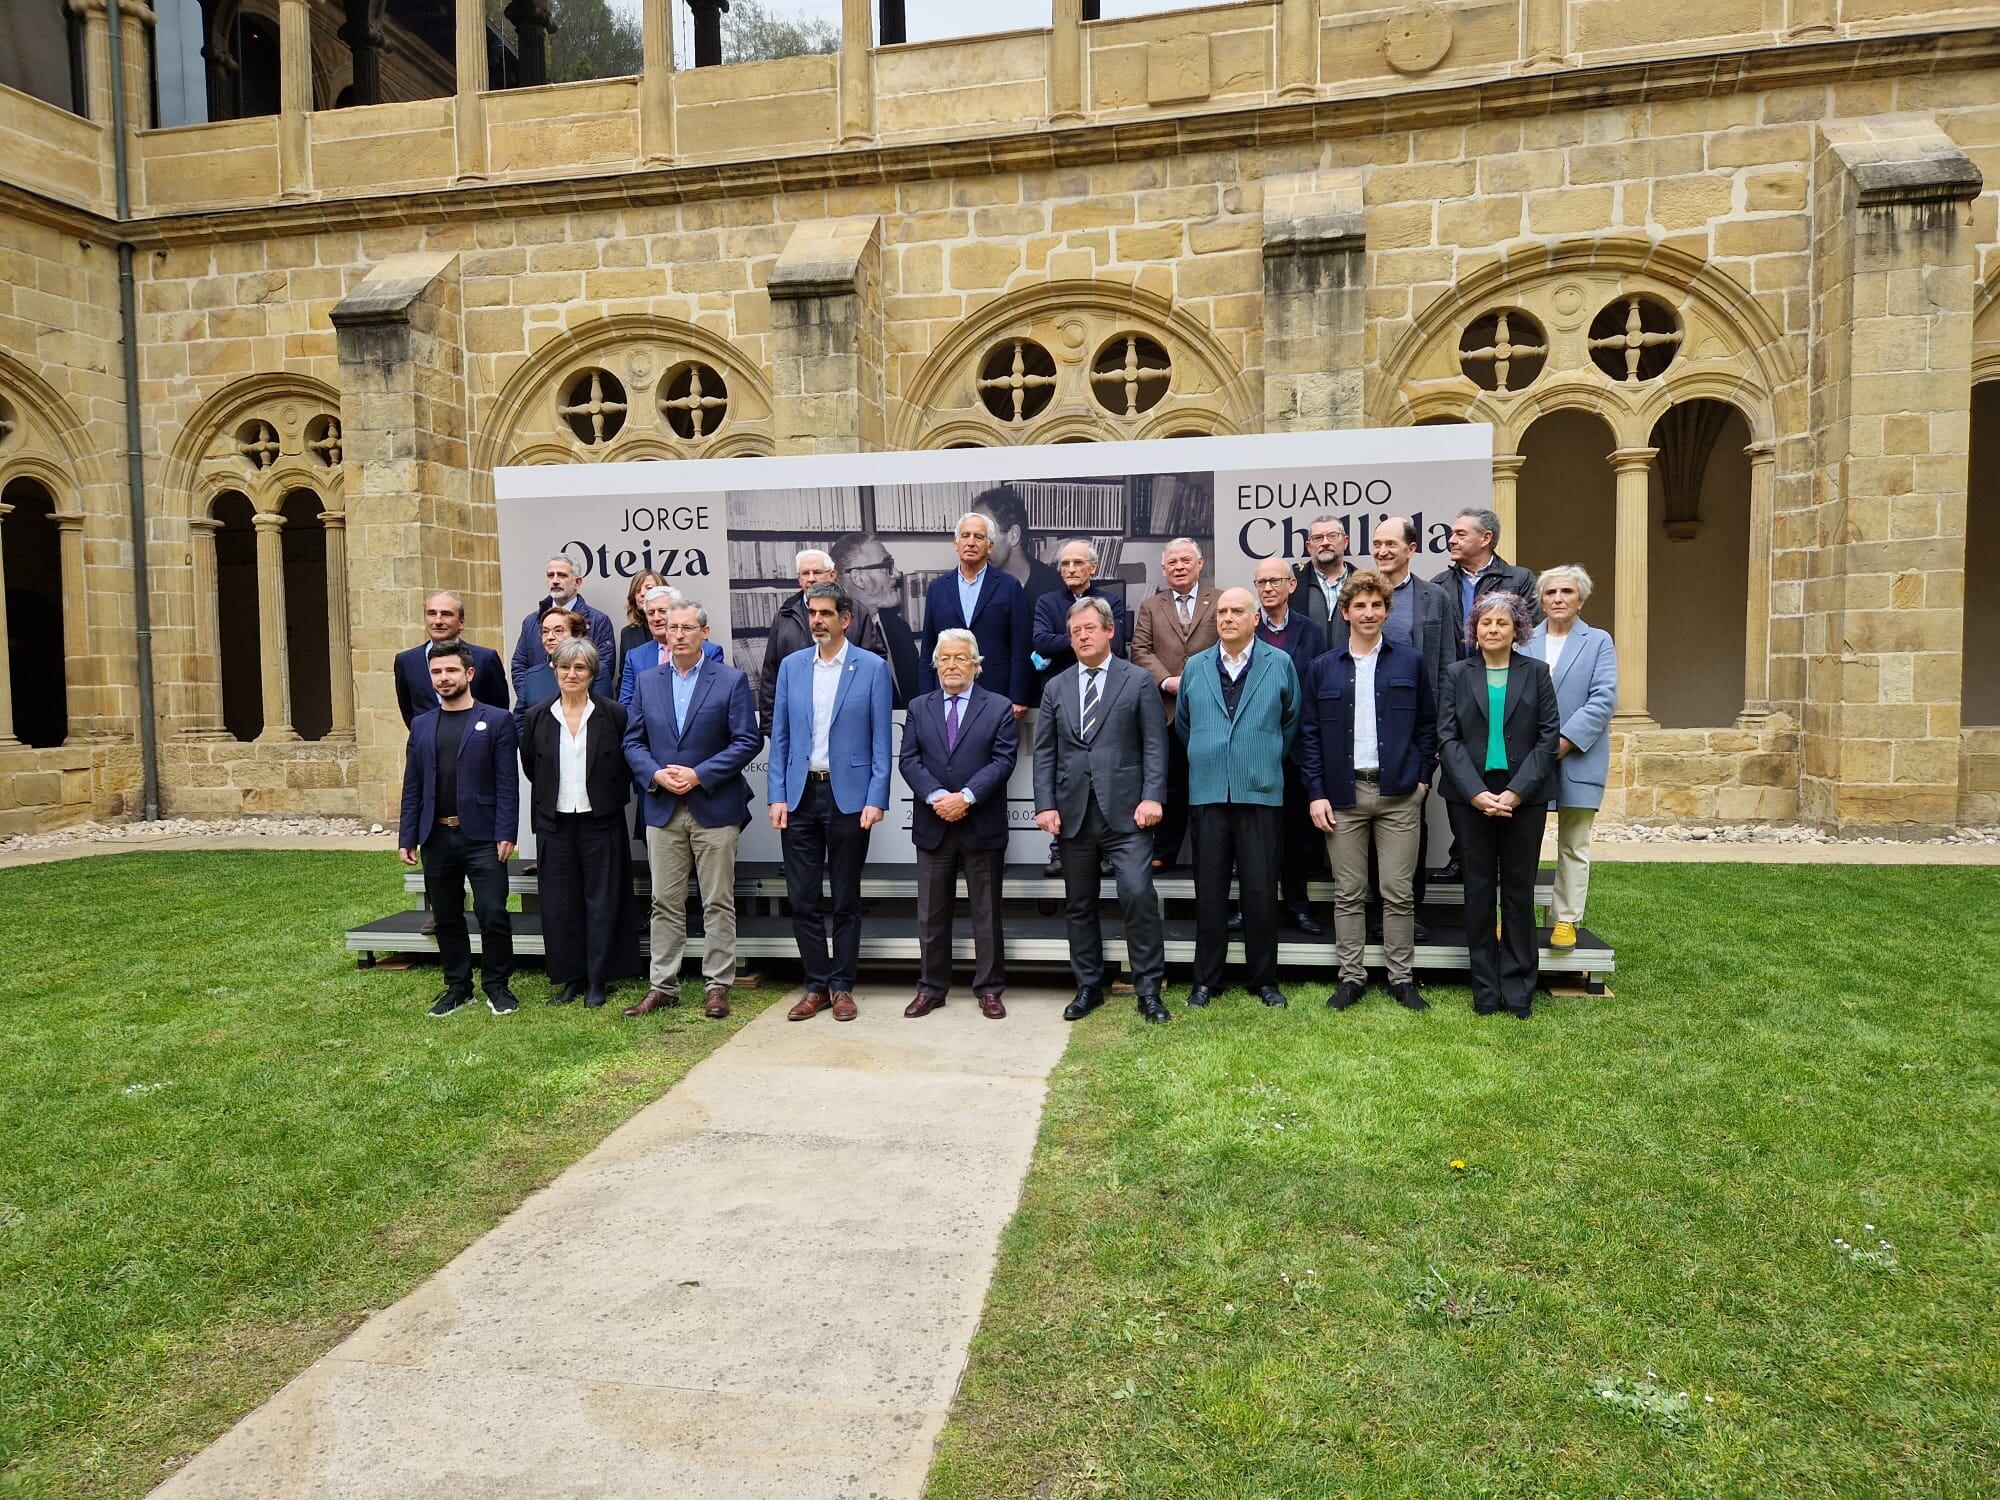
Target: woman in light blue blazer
(1583, 661)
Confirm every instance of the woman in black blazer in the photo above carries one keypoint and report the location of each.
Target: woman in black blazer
(634, 631)
(1497, 731)
(573, 753)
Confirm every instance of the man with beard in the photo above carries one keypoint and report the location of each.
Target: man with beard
(1324, 570)
(560, 573)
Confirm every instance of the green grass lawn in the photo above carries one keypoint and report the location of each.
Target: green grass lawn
(1246, 1266)
(221, 1144)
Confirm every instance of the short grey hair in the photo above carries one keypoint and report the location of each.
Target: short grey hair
(992, 531)
(446, 594)
(654, 596)
(1488, 522)
(843, 602)
(576, 650)
(1185, 541)
(808, 553)
(1096, 604)
(958, 637)
(562, 557)
(681, 602)
(1572, 571)
(1079, 541)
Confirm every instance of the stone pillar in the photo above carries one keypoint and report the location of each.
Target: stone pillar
(895, 26)
(294, 96)
(531, 39)
(1810, 20)
(707, 31)
(339, 653)
(1634, 470)
(857, 81)
(135, 25)
(272, 648)
(1893, 270)
(1066, 46)
(96, 58)
(826, 338)
(1506, 489)
(76, 619)
(471, 112)
(206, 721)
(1545, 33)
(412, 526)
(656, 84)
(1757, 629)
(6, 668)
(1298, 48)
(1315, 294)
(364, 46)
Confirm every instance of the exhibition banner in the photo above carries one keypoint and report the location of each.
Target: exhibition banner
(726, 532)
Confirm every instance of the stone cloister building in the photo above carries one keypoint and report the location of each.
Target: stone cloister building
(1724, 276)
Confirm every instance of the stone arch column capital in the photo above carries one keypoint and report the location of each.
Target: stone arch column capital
(333, 519)
(1629, 460)
(67, 520)
(268, 520)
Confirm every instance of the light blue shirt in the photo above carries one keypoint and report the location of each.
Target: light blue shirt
(826, 688)
(684, 684)
(968, 593)
(961, 700)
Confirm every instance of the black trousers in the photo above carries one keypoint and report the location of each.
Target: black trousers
(1171, 831)
(451, 862)
(590, 932)
(1131, 858)
(1304, 855)
(1501, 857)
(1244, 838)
(937, 898)
(824, 845)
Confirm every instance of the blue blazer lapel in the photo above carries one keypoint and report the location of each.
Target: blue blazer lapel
(1579, 638)
(703, 680)
(847, 675)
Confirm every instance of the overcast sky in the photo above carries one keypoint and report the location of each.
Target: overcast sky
(932, 19)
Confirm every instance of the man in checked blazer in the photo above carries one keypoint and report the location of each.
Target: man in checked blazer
(1100, 774)
(1171, 626)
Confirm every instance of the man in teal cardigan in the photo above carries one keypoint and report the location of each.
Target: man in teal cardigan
(1238, 712)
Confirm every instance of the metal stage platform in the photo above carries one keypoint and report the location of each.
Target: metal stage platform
(1035, 933)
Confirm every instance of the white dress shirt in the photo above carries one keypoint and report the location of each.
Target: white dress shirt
(826, 687)
(1234, 665)
(1103, 671)
(1367, 745)
(572, 796)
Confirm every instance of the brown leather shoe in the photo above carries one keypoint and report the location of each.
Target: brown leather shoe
(656, 999)
(813, 1002)
(922, 1006)
(991, 1008)
(718, 1002)
(844, 1008)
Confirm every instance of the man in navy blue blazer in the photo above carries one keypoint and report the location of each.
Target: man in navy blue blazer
(989, 603)
(1368, 751)
(561, 575)
(828, 785)
(959, 746)
(691, 731)
(444, 621)
(461, 806)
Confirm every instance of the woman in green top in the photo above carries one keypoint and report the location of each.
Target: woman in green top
(1497, 732)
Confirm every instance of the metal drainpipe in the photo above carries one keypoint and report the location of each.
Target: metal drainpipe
(135, 464)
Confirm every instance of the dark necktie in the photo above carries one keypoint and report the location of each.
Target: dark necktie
(950, 724)
(1090, 696)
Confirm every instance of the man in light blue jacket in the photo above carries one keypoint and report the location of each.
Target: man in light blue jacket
(1584, 664)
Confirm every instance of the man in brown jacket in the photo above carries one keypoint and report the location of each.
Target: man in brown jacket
(1171, 626)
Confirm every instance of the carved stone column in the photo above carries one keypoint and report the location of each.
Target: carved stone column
(364, 46)
(274, 657)
(531, 39)
(96, 59)
(895, 27)
(1298, 48)
(1545, 43)
(1757, 625)
(471, 110)
(857, 79)
(1809, 20)
(206, 721)
(76, 615)
(707, 31)
(1506, 490)
(1066, 64)
(339, 653)
(1634, 469)
(6, 669)
(656, 84)
(294, 96)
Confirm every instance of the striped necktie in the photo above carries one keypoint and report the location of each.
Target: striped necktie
(1090, 700)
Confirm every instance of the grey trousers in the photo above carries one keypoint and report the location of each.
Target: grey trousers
(711, 853)
(1392, 824)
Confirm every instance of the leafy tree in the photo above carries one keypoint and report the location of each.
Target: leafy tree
(750, 33)
(590, 39)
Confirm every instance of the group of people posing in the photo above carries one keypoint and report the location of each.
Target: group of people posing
(1309, 714)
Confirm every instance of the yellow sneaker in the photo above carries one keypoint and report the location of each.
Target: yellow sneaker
(1564, 935)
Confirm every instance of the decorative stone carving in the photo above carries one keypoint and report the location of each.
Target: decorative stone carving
(1417, 40)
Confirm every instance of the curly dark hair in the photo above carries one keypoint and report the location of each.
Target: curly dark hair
(1514, 604)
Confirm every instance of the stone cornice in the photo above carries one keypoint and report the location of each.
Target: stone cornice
(1048, 148)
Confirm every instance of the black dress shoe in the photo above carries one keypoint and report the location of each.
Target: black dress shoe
(1086, 1001)
(595, 997)
(1200, 995)
(566, 994)
(1448, 873)
(1347, 996)
(1409, 996)
(1054, 869)
(1150, 1009)
(1304, 921)
(1483, 1008)
(1236, 921)
(1272, 996)
(1520, 1012)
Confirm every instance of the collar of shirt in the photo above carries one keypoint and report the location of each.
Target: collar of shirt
(975, 580)
(562, 718)
(1472, 575)
(839, 657)
(667, 660)
(1234, 665)
(1278, 626)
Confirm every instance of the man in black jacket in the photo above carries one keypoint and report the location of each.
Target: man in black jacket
(1324, 570)
(1476, 568)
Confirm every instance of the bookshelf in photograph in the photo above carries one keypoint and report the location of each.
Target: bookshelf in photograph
(767, 531)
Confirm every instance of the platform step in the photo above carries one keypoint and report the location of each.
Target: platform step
(1031, 940)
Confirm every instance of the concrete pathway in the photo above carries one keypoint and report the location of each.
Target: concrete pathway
(763, 1285)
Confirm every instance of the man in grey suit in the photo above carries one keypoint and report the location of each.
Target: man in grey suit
(1100, 777)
